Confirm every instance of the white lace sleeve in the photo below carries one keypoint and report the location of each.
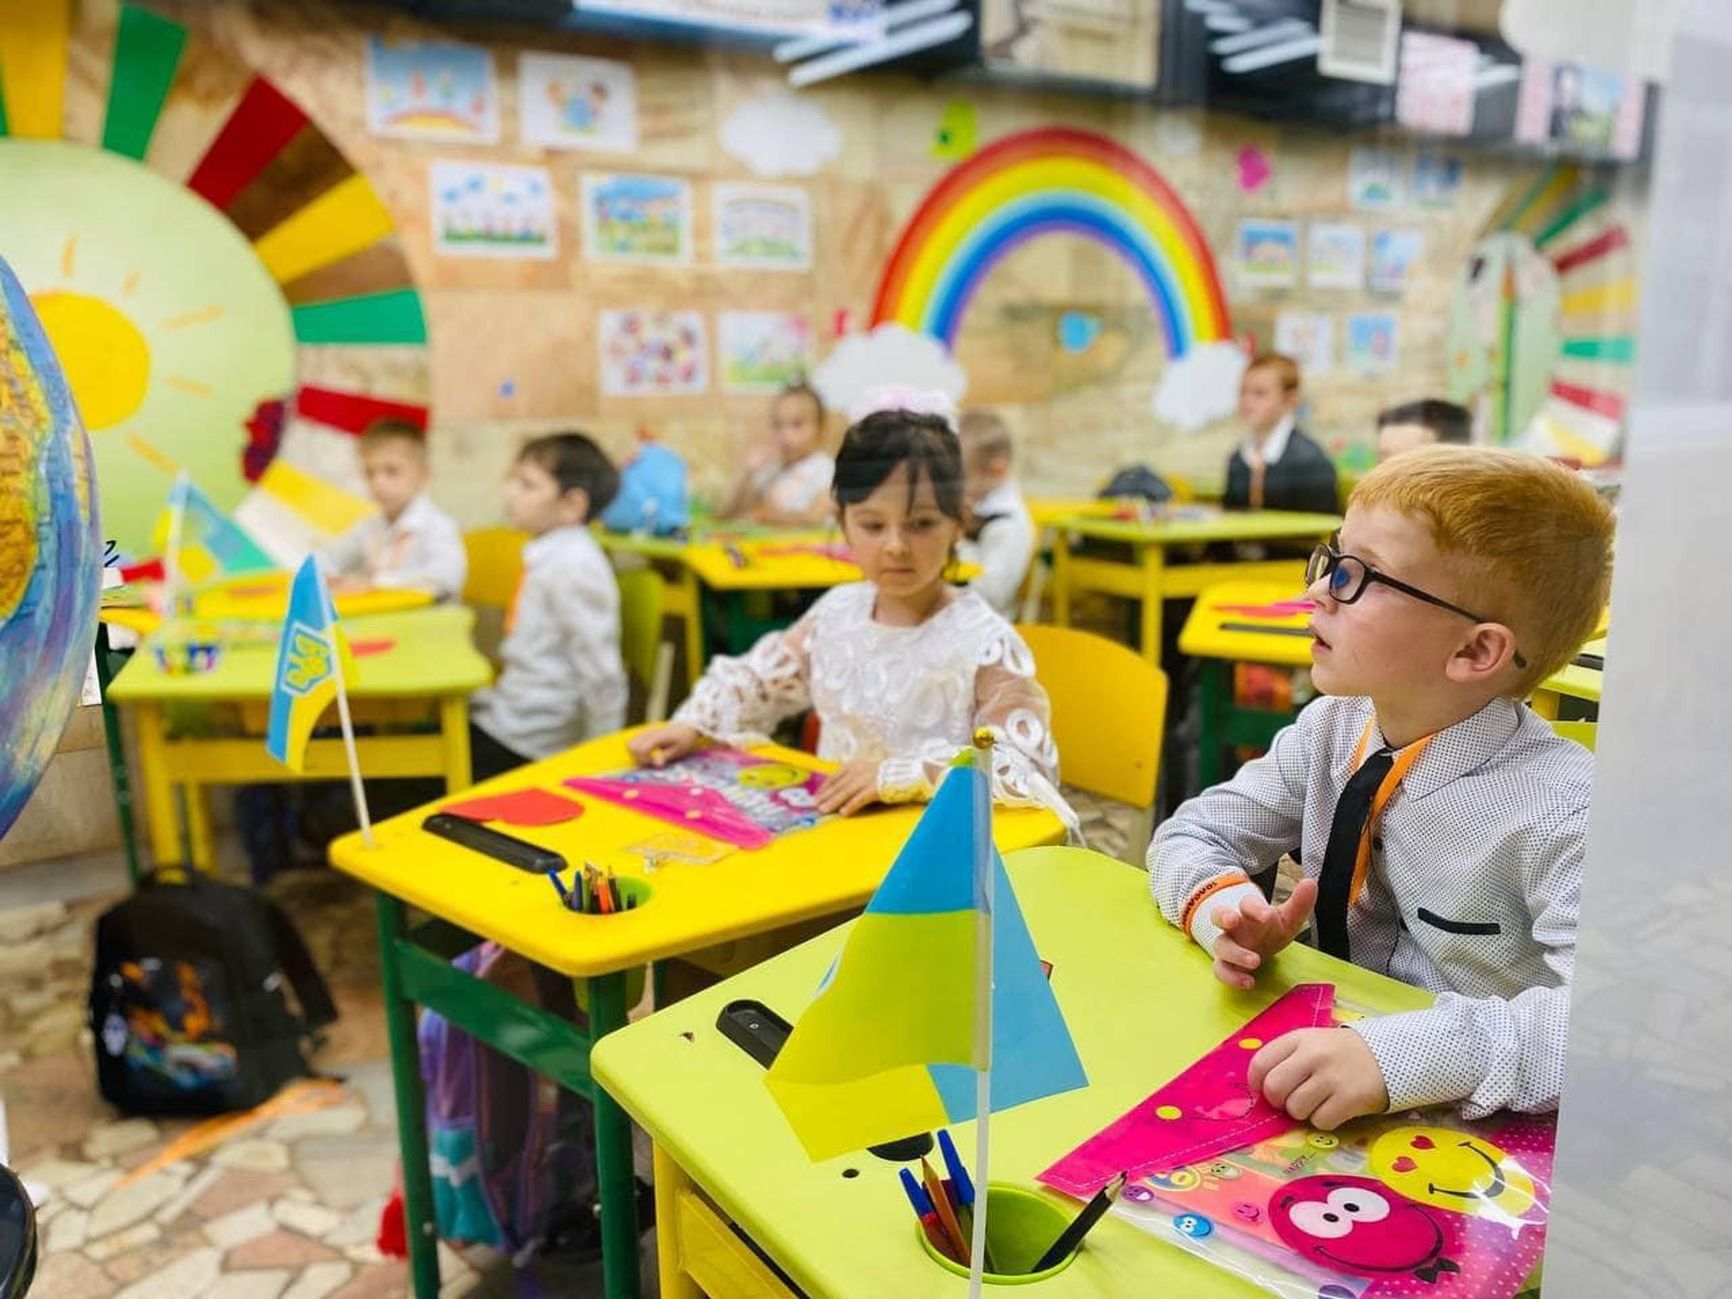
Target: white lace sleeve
(1013, 706)
(739, 700)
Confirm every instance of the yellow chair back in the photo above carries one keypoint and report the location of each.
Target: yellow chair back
(1109, 710)
(649, 658)
(495, 566)
(1582, 733)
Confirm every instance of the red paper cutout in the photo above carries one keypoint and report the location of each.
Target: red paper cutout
(1206, 1110)
(366, 648)
(529, 807)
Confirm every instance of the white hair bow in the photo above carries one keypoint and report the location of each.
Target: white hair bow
(922, 401)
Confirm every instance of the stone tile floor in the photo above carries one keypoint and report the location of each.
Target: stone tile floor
(287, 1209)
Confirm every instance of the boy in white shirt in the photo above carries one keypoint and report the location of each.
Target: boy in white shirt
(562, 680)
(1440, 822)
(1000, 531)
(410, 542)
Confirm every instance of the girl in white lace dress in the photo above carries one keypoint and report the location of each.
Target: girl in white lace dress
(902, 667)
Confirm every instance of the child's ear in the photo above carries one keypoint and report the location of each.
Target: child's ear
(574, 506)
(1488, 650)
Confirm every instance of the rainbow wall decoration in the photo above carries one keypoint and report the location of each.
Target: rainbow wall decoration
(1054, 180)
(215, 276)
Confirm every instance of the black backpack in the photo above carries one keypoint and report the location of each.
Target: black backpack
(1138, 480)
(186, 998)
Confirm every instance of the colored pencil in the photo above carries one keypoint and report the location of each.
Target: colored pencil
(946, 1215)
(1072, 1236)
(923, 1210)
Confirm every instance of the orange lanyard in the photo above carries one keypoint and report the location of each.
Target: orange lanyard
(1404, 759)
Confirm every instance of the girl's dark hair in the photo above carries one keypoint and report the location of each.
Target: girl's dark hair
(800, 388)
(873, 448)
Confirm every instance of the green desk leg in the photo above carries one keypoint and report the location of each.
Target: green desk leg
(1214, 689)
(613, 1160)
(418, 1223)
(116, 754)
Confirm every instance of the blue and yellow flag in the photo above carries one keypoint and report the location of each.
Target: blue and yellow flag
(309, 657)
(888, 1047)
(211, 544)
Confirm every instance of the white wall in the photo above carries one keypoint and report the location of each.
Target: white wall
(1642, 1201)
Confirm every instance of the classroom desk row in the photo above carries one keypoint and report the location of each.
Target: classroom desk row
(823, 871)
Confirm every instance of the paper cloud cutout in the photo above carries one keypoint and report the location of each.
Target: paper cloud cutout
(862, 365)
(1201, 386)
(781, 135)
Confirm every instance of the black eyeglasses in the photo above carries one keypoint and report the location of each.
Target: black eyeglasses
(1349, 575)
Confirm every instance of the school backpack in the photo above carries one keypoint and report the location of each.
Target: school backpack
(1138, 480)
(511, 1152)
(652, 494)
(187, 1001)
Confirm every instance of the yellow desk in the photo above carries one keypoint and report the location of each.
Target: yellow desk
(1048, 510)
(1148, 578)
(429, 660)
(830, 868)
(1141, 1003)
(259, 597)
(731, 564)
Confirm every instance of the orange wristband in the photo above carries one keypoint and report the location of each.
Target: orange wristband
(1208, 891)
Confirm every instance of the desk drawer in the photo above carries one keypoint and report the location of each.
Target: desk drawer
(722, 1264)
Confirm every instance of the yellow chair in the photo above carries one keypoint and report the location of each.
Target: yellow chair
(647, 656)
(1109, 711)
(495, 566)
(1583, 733)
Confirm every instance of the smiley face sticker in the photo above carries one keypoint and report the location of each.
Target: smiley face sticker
(1453, 1170)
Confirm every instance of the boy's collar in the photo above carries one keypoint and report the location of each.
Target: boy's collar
(1274, 446)
(1458, 749)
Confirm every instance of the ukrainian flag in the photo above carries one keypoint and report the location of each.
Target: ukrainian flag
(211, 544)
(311, 654)
(888, 1049)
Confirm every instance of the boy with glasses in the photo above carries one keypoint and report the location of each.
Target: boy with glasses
(1439, 822)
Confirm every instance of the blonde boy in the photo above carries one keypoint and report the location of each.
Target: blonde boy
(410, 542)
(1461, 578)
(1000, 531)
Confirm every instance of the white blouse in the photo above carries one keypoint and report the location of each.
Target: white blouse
(908, 698)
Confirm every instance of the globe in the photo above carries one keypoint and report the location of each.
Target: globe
(50, 550)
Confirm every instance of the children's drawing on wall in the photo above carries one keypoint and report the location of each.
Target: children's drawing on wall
(653, 353)
(1434, 94)
(765, 227)
(1267, 253)
(781, 135)
(637, 219)
(574, 103)
(431, 90)
(1593, 109)
(1436, 180)
(1373, 179)
(1335, 258)
(763, 351)
(1371, 342)
(1308, 337)
(481, 210)
(1394, 254)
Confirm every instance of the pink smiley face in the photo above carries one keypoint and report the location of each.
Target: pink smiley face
(1357, 1225)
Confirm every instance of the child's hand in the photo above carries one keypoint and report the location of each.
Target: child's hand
(1320, 1076)
(1254, 930)
(660, 745)
(850, 788)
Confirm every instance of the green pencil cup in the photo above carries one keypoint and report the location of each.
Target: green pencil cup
(1020, 1227)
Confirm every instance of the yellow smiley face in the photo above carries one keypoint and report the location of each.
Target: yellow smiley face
(1452, 1170)
(772, 775)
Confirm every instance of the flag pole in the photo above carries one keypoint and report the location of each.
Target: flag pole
(176, 530)
(356, 787)
(984, 879)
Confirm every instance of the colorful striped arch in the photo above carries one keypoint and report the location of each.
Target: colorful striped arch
(315, 224)
(1054, 180)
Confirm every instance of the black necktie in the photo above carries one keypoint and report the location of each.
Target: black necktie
(1335, 883)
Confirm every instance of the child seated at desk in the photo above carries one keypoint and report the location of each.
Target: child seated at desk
(410, 542)
(786, 478)
(902, 667)
(1420, 424)
(1439, 821)
(1000, 531)
(561, 679)
(1276, 467)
